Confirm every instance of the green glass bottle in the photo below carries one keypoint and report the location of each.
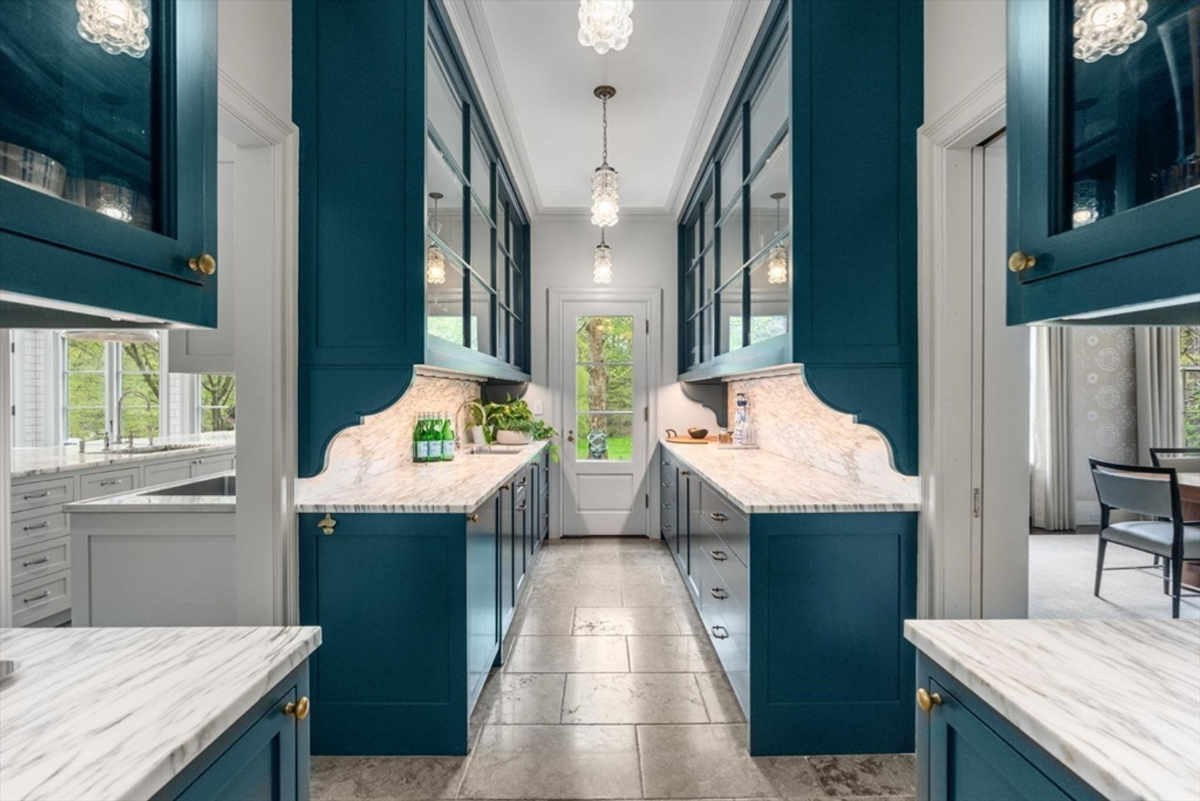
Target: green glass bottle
(447, 438)
(421, 439)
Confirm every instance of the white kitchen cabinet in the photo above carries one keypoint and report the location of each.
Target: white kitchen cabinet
(111, 482)
(166, 472)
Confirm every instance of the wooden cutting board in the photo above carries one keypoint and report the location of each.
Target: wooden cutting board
(690, 440)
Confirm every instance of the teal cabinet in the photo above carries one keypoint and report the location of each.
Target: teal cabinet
(483, 593)
(1104, 169)
(414, 245)
(797, 243)
(108, 165)
(265, 755)
(966, 751)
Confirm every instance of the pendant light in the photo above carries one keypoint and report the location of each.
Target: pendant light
(605, 24)
(435, 259)
(605, 205)
(1107, 27)
(118, 26)
(777, 262)
(602, 264)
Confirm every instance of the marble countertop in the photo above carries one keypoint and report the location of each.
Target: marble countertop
(758, 481)
(28, 462)
(1116, 701)
(457, 486)
(141, 501)
(113, 713)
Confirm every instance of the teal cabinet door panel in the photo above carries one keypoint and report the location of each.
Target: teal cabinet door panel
(135, 196)
(483, 595)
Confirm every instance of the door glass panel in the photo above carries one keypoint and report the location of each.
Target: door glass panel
(731, 236)
(706, 333)
(730, 301)
(1132, 118)
(770, 293)
(770, 213)
(502, 337)
(517, 292)
(502, 226)
(692, 342)
(481, 318)
(443, 302)
(769, 110)
(503, 267)
(80, 122)
(443, 107)
(481, 244)
(604, 388)
(481, 170)
(732, 172)
(447, 224)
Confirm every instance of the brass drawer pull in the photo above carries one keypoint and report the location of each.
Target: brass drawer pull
(110, 482)
(297, 709)
(37, 526)
(473, 518)
(41, 561)
(717, 516)
(33, 496)
(521, 483)
(719, 556)
(326, 524)
(720, 632)
(522, 507)
(927, 700)
(718, 593)
(685, 472)
(33, 598)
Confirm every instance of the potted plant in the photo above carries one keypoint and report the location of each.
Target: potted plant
(512, 423)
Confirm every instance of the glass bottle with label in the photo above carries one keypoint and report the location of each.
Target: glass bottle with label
(447, 438)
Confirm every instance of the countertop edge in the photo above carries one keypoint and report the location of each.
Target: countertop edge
(113, 504)
(117, 460)
(805, 508)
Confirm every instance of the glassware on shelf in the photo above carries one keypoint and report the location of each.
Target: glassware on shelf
(32, 169)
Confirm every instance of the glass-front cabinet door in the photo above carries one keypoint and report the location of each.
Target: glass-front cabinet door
(108, 152)
(1104, 138)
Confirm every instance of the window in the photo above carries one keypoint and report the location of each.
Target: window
(138, 377)
(604, 388)
(84, 389)
(218, 400)
(1189, 364)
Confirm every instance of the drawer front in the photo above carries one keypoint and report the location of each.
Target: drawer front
(113, 482)
(167, 472)
(41, 597)
(40, 494)
(38, 527)
(208, 465)
(40, 559)
(734, 576)
(731, 524)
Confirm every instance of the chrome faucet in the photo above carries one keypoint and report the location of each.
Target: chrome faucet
(121, 402)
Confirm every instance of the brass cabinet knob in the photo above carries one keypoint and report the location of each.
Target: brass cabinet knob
(204, 264)
(1020, 261)
(718, 517)
(927, 700)
(473, 518)
(685, 472)
(326, 524)
(297, 709)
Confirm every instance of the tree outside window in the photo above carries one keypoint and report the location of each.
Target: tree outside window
(83, 389)
(604, 388)
(218, 399)
(1189, 363)
(139, 382)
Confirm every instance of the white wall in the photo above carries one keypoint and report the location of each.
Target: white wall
(964, 46)
(254, 47)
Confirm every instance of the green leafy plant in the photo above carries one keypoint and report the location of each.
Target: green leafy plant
(513, 415)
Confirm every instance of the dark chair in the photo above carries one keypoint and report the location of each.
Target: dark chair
(1151, 491)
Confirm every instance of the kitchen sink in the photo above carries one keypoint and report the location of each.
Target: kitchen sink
(496, 450)
(213, 485)
(134, 450)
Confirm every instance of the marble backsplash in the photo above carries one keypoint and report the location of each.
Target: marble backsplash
(791, 421)
(384, 441)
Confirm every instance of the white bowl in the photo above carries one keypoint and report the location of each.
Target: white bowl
(514, 437)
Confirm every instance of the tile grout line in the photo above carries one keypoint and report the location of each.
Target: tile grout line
(703, 703)
(637, 743)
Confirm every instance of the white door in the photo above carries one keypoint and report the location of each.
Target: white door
(605, 452)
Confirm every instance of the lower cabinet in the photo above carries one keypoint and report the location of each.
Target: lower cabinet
(264, 756)
(966, 751)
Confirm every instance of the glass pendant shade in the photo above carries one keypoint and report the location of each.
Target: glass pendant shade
(1107, 27)
(602, 264)
(605, 200)
(118, 26)
(777, 265)
(605, 24)
(435, 266)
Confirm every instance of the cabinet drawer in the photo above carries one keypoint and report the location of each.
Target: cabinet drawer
(113, 482)
(208, 465)
(40, 559)
(732, 525)
(39, 527)
(166, 472)
(39, 494)
(41, 597)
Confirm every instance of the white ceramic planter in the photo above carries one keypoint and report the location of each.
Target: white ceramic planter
(514, 437)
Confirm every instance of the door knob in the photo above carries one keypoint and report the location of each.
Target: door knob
(297, 709)
(570, 436)
(1020, 261)
(927, 700)
(204, 264)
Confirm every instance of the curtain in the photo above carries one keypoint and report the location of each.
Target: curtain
(1051, 496)
(1159, 389)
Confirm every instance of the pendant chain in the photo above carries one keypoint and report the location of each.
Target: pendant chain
(604, 101)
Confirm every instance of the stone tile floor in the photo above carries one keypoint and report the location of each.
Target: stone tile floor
(612, 691)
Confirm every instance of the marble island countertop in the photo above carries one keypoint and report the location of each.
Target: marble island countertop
(28, 462)
(758, 481)
(159, 498)
(113, 713)
(457, 486)
(1116, 701)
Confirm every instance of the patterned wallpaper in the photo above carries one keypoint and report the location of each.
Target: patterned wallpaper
(1104, 402)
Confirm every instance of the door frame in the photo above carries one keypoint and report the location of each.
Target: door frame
(652, 299)
(950, 561)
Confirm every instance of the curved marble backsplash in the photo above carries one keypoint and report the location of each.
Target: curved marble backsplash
(791, 421)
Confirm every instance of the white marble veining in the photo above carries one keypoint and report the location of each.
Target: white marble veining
(458, 486)
(111, 713)
(27, 462)
(791, 421)
(142, 501)
(1116, 701)
(758, 481)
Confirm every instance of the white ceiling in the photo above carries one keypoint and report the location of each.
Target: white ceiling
(672, 82)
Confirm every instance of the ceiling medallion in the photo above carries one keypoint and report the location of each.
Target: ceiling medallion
(602, 264)
(605, 200)
(1107, 27)
(605, 24)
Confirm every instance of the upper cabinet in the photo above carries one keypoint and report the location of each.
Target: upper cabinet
(798, 240)
(1104, 160)
(414, 243)
(108, 155)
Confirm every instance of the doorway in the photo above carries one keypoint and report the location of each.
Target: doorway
(603, 386)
